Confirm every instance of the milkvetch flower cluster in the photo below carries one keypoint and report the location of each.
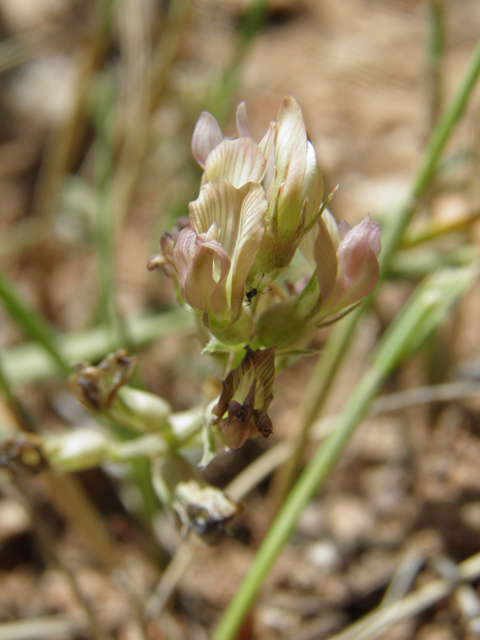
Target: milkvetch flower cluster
(258, 204)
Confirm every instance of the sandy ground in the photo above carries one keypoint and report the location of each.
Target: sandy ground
(407, 490)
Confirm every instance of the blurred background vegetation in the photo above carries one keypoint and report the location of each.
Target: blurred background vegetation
(98, 101)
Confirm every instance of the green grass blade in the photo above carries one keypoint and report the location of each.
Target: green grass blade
(33, 325)
(30, 362)
(422, 315)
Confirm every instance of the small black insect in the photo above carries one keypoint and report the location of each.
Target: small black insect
(253, 292)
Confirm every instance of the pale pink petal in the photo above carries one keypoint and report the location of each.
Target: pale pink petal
(344, 228)
(243, 129)
(374, 237)
(196, 261)
(357, 266)
(353, 287)
(238, 161)
(184, 253)
(367, 232)
(206, 136)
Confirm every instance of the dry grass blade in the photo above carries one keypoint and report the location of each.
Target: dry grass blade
(48, 628)
(375, 623)
(134, 112)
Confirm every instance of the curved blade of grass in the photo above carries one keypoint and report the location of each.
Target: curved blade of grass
(250, 26)
(33, 325)
(425, 310)
(392, 236)
(30, 362)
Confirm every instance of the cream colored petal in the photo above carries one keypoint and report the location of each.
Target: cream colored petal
(238, 161)
(206, 136)
(312, 185)
(291, 139)
(307, 244)
(239, 214)
(243, 129)
(221, 203)
(357, 266)
(267, 147)
(290, 161)
(332, 227)
(218, 203)
(254, 207)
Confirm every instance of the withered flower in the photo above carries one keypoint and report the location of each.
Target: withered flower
(204, 509)
(201, 508)
(23, 454)
(246, 395)
(164, 258)
(102, 388)
(96, 386)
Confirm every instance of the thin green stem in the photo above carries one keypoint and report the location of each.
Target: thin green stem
(436, 48)
(22, 416)
(103, 229)
(393, 235)
(251, 25)
(427, 308)
(327, 366)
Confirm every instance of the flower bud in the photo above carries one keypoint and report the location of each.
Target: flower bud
(96, 386)
(140, 410)
(295, 193)
(346, 269)
(77, 449)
